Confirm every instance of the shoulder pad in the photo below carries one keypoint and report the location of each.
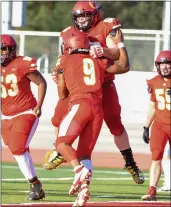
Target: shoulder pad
(29, 64)
(112, 22)
(66, 31)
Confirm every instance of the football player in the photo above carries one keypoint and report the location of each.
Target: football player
(86, 17)
(80, 77)
(20, 109)
(158, 118)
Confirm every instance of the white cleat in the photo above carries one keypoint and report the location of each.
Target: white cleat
(82, 197)
(81, 175)
(164, 189)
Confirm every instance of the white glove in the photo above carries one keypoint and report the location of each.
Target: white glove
(96, 51)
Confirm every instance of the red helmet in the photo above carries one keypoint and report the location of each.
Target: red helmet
(163, 57)
(86, 8)
(8, 42)
(75, 42)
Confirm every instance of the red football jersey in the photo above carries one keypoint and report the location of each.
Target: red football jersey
(158, 87)
(16, 94)
(98, 35)
(83, 75)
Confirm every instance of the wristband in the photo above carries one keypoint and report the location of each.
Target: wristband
(120, 45)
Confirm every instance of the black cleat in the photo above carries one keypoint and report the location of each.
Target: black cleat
(36, 192)
(136, 173)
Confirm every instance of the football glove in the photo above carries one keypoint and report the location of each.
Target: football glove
(146, 135)
(54, 75)
(96, 51)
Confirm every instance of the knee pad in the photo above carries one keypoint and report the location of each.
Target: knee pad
(114, 124)
(18, 151)
(117, 130)
(55, 121)
(157, 154)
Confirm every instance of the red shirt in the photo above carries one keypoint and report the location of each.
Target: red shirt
(16, 94)
(98, 35)
(83, 75)
(157, 86)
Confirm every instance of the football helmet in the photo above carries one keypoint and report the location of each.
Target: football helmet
(75, 42)
(85, 9)
(7, 43)
(164, 57)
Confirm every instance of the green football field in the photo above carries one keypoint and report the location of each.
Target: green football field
(107, 185)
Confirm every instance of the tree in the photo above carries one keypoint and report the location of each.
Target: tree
(135, 15)
(55, 16)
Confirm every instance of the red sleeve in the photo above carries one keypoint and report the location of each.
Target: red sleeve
(28, 64)
(69, 30)
(111, 23)
(151, 90)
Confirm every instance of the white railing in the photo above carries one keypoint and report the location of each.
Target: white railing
(137, 40)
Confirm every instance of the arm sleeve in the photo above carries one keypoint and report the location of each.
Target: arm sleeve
(29, 64)
(151, 91)
(111, 24)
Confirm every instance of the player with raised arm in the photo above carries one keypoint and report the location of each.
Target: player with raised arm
(86, 17)
(20, 109)
(158, 118)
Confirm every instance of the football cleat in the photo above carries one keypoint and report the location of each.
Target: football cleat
(36, 192)
(136, 173)
(82, 197)
(151, 194)
(52, 160)
(164, 188)
(83, 174)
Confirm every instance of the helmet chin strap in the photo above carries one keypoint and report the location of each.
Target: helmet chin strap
(167, 76)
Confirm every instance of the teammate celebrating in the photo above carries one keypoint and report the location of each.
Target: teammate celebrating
(159, 117)
(20, 110)
(80, 77)
(86, 17)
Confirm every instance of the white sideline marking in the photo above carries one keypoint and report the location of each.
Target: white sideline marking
(66, 178)
(93, 202)
(70, 170)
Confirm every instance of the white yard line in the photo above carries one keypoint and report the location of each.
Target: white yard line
(70, 170)
(65, 178)
(92, 202)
